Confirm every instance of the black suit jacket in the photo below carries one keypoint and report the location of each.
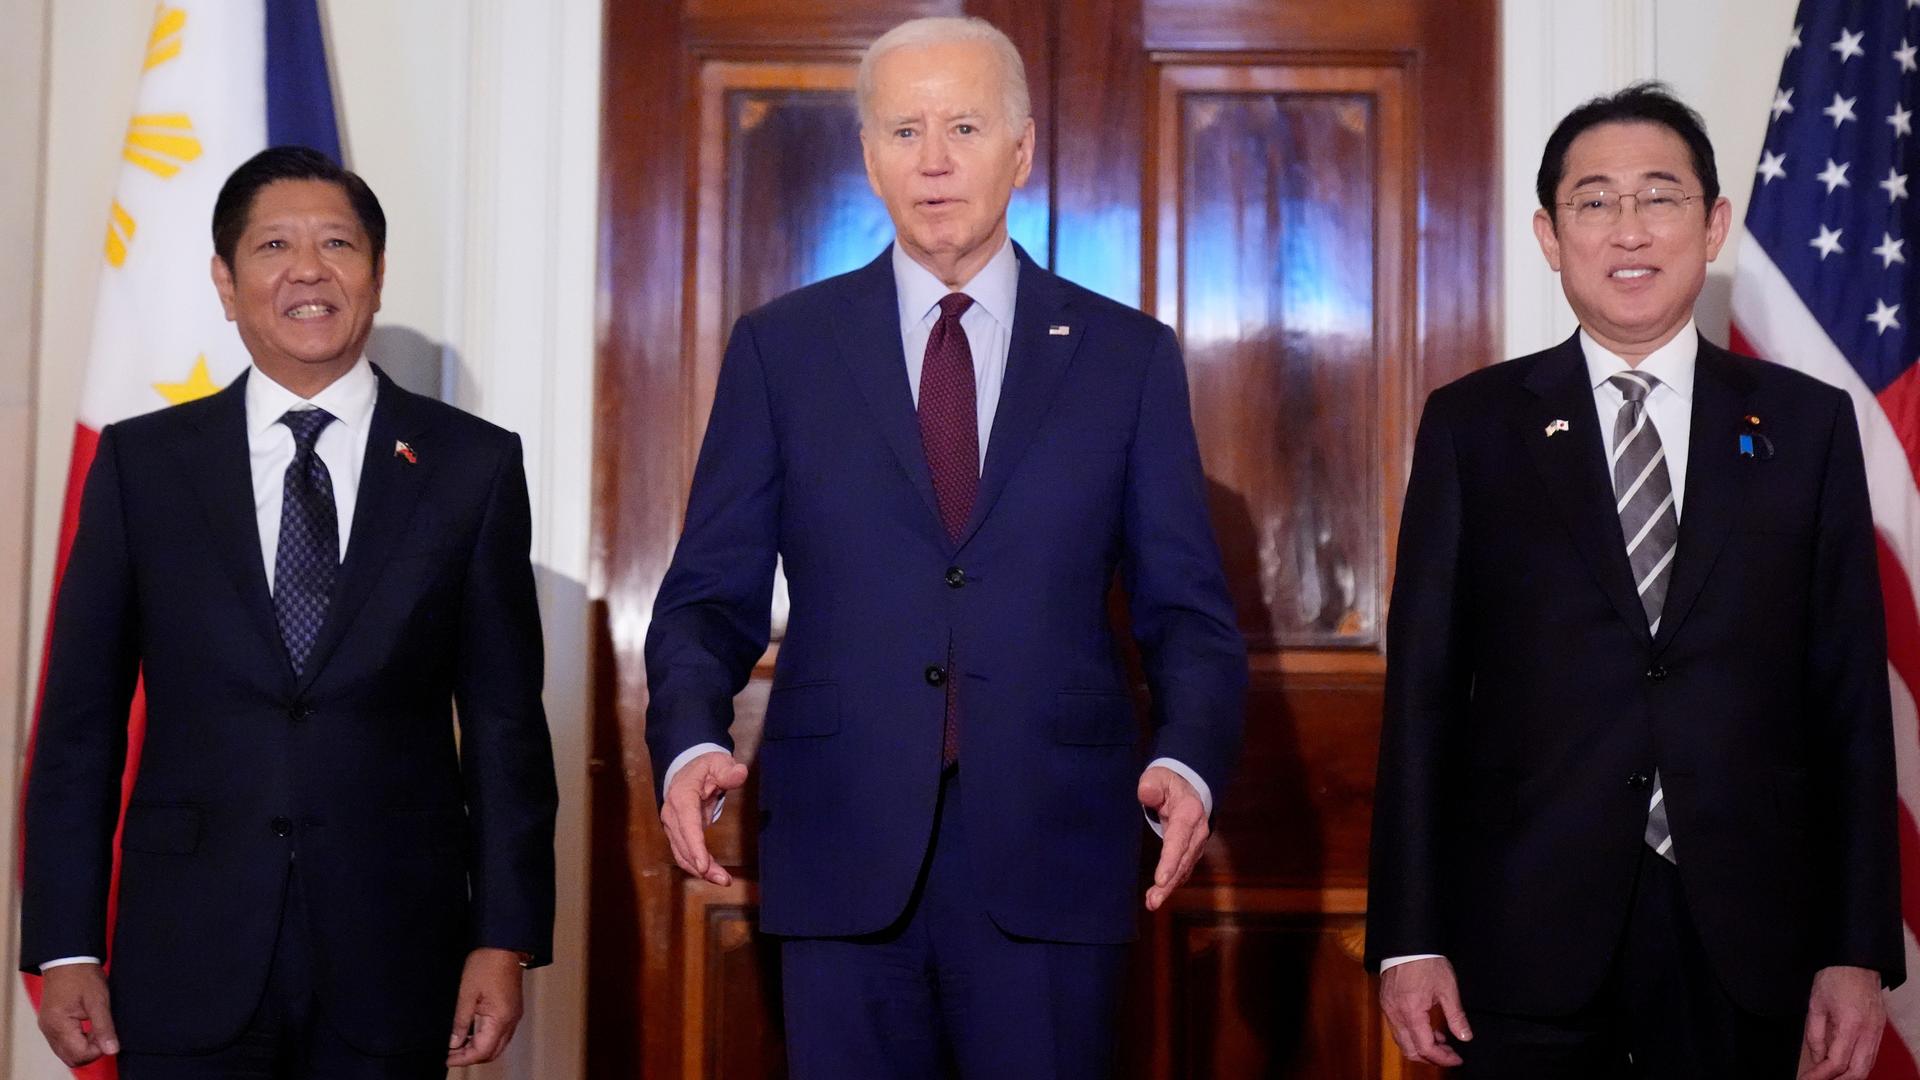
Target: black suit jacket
(412, 848)
(1524, 690)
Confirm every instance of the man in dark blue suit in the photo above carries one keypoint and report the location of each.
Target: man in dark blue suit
(309, 570)
(952, 451)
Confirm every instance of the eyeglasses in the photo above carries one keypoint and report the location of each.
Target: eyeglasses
(1655, 204)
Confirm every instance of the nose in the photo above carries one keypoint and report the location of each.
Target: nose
(1630, 230)
(935, 158)
(306, 265)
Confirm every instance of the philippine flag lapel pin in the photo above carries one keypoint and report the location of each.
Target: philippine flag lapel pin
(402, 450)
(1059, 330)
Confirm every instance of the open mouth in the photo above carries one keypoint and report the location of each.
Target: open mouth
(312, 309)
(1632, 273)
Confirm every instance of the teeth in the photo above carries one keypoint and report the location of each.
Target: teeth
(1636, 273)
(309, 311)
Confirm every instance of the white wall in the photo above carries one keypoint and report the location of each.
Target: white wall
(475, 121)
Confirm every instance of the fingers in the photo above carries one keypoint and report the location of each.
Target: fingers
(1866, 1050)
(490, 1035)
(1829, 1044)
(1408, 995)
(100, 1019)
(1166, 872)
(1455, 1013)
(463, 1018)
(688, 808)
(73, 1002)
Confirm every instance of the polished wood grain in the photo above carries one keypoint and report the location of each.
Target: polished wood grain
(1305, 189)
(1271, 182)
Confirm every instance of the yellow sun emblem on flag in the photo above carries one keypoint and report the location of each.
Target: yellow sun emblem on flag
(163, 44)
(199, 384)
(119, 233)
(161, 143)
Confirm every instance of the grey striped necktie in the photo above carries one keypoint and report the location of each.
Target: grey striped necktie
(1650, 522)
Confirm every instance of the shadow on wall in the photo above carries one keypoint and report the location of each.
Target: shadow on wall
(1714, 310)
(412, 359)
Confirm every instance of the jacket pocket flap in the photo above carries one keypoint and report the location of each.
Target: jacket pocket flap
(1094, 718)
(807, 710)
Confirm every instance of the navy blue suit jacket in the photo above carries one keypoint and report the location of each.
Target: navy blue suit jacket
(412, 850)
(813, 455)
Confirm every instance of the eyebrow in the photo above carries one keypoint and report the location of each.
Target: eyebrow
(1596, 178)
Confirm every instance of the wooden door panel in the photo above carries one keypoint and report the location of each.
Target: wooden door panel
(1278, 199)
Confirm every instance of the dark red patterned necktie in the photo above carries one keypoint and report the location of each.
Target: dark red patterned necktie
(950, 435)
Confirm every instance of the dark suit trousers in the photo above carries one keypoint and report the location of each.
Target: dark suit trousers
(289, 1038)
(1660, 1015)
(944, 992)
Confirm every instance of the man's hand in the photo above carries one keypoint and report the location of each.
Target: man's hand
(74, 1016)
(1184, 817)
(1845, 1017)
(688, 808)
(488, 1008)
(1408, 993)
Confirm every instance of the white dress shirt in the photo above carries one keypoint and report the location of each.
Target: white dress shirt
(342, 446)
(1669, 410)
(988, 324)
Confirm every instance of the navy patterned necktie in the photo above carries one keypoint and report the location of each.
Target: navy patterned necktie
(309, 553)
(950, 435)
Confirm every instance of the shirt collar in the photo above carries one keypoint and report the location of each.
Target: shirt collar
(1671, 363)
(992, 288)
(349, 398)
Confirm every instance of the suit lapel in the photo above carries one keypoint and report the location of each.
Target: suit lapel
(870, 347)
(221, 471)
(390, 488)
(1716, 480)
(1037, 359)
(1572, 462)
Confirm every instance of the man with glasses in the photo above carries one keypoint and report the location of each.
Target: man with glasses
(1636, 810)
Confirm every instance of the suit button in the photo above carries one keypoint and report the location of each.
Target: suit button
(300, 713)
(282, 826)
(1656, 673)
(1639, 781)
(956, 577)
(936, 675)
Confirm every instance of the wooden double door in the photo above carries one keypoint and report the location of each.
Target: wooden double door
(1304, 190)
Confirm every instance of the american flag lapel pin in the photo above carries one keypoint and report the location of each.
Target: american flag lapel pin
(1057, 330)
(1556, 427)
(402, 450)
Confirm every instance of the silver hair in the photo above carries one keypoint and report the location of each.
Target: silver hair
(946, 30)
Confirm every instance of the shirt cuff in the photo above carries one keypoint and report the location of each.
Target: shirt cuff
(1396, 961)
(680, 762)
(66, 960)
(1183, 772)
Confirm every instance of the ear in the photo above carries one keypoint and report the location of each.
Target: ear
(1719, 225)
(379, 278)
(1023, 154)
(1543, 231)
(223, 284)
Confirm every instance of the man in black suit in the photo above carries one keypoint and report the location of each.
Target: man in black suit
(309, 570)
(1636, 809)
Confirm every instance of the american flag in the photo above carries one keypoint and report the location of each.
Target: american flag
(1822, 283)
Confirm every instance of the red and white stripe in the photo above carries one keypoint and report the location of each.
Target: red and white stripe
(1771, 321)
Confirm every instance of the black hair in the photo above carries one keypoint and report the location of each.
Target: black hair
(277, 163)
(1640, 103)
